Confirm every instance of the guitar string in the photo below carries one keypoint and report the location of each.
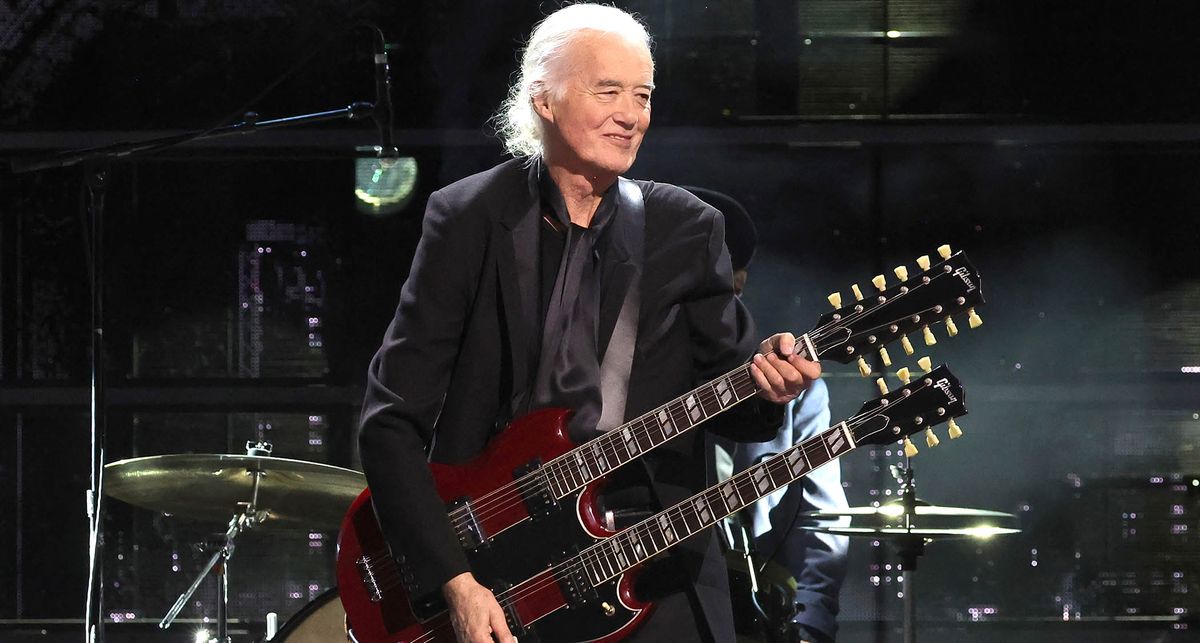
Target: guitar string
(816, 335)
(497, 505)
(546, 578)
(462, 514)
(591, 555)
(394, 571)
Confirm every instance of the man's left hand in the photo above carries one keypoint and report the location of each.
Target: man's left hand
(780, 372)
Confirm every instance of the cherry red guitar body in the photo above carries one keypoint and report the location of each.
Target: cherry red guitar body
(521, 541)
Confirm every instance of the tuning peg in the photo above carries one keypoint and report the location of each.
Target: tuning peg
(904, 375)
(930, 340)
(926, 364)
(883, 355)
(973, 320)
(901, 273)
(883, 389)
(910, 449)
(944, 251)
(906, 345)
(863, 367)
(931, 439)
(951, 329)
(835, 299)
(955, 430)
(879, 282)
(923, 262)
(857, 293)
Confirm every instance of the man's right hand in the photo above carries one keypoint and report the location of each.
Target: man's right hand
(476, 615)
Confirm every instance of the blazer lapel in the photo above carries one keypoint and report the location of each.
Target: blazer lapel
(516, 267)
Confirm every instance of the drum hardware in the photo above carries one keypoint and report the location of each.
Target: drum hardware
(909, 524)
(254, 489)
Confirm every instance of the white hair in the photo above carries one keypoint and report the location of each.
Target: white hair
(517, 124)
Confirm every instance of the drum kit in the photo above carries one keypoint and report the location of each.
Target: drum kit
(249, 491)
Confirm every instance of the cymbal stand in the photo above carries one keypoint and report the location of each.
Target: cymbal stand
(909, 547)
(245, 520)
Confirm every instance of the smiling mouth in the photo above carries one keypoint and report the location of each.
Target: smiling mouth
(620, 139)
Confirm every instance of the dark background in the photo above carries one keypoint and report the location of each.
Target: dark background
(1054, 141)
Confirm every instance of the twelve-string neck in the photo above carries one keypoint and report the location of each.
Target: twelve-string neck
(597, 457)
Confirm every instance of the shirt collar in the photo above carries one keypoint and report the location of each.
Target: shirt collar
(552, 199)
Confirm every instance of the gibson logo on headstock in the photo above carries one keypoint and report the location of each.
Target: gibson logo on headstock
(943, 385)
(965, 275)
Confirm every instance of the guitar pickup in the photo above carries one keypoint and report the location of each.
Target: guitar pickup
(539, 500)
(466, 524)
(573, 582)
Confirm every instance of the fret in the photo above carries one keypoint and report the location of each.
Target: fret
(708, 400)
(703, 512)
(619, 554)
(745, 487)
(632, 450)
(680, 416)
(600, 458)
(569, 474)
(723, 392)
(628, 551)
(642, 435)
(796, 461)
(744, 386)
(694, 409)
(639, 547)
(666, 425)
(582, 465)
(835, 442)
(731, 496)
(689, 520)
(607, 564)
(553, 483)
(761, 479)
(712, 496)
(655, 541)
(667, 528)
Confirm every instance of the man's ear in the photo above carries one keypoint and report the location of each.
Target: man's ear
(541, 104)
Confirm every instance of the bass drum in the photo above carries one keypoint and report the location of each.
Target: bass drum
(321, 621)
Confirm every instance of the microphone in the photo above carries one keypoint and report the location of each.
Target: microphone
(383, 103)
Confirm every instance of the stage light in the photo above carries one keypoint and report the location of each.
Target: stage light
(383, 186)
(202, 636)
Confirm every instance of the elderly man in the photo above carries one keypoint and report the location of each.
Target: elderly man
(514, 302)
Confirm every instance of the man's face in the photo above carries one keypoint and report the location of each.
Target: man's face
(595, 123)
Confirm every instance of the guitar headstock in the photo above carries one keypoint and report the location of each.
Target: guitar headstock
(923, 402)
(934, 294)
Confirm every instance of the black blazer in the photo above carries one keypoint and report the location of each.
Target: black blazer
(457, 355)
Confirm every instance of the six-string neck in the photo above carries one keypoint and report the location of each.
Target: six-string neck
(597, 457)
(612, 556)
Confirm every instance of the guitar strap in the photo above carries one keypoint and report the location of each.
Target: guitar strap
(618, 358)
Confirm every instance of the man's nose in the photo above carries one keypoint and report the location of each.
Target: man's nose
(628, 112)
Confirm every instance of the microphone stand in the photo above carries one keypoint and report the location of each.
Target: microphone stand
(96, 162)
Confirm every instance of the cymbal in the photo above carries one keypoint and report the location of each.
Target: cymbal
(898, 533)
(892, 521)
(893, 511)
(209, 487)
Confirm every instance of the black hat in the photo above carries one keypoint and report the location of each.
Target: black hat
(740, 234)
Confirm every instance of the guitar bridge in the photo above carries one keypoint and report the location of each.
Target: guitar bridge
(539, 499)
(467, 525)
(367, 573)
